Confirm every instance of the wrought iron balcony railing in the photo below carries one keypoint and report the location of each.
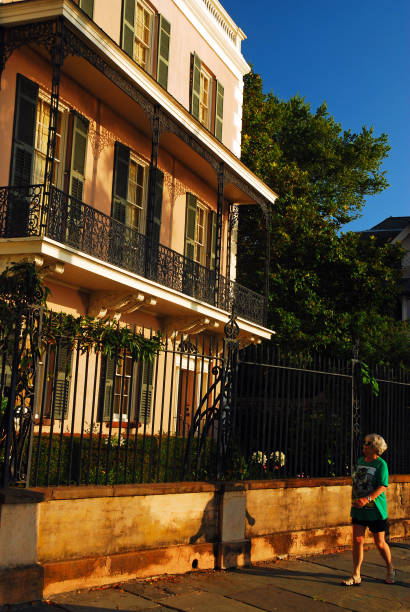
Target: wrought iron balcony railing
(25, 212)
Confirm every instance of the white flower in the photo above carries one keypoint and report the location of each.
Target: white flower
(278, 457)
(258, 457)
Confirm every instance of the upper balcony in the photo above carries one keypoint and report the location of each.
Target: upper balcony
(26, 213)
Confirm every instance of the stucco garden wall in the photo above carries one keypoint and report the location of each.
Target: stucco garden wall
(63, 538)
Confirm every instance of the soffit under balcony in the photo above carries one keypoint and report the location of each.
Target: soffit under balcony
(99, 86)
(96, 84)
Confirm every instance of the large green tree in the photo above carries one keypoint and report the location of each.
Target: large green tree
(327, 289)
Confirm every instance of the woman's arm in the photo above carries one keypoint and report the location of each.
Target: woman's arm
(363, 501)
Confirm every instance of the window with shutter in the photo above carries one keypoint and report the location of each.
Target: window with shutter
(147, 377)
(78, 156)
(212, 240)
(41, 140)
(190, 225)
(24, 131)
(106, 388)
(59, 377)
(75, 209)
(164, 33)
(125, 389)
(144, 35)
(196, 65)
(128, 27)
(129, 188)
(157, 212)
(88, 7)
(22, 154)
(219, 110)
(120, 181)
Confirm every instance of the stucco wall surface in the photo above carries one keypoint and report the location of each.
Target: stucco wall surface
(75, 528)
(279, 510)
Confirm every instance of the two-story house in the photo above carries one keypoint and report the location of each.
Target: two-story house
(396, 230)
(121, 134)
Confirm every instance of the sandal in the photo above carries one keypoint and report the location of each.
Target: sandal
(391, 576)
(352, 581)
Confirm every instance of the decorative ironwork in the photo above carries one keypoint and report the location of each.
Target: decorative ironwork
(17, 420)
(152, 185)
(17, 36)
(216, 406)
(219, 212)
(235, 179)
(20, 211)
(73, 45)
(82, 227)
(233, 218)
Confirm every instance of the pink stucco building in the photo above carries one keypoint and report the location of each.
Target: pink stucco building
(120, 126)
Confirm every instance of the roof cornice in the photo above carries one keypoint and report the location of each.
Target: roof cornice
(41, 10)
(214, 25)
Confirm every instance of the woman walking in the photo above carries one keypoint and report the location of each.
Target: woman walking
(369, 506)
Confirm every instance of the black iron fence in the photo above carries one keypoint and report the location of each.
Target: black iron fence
(203, 409)
(25, 212)
(306, 416)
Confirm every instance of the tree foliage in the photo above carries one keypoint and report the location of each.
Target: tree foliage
(327, 288)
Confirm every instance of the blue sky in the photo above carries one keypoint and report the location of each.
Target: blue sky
(355, 54)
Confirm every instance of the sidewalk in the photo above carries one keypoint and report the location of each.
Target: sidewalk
(298, 586)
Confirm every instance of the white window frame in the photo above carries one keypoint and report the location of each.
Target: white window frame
(138, 41)
(44, 97)
(139, 161)
(205, 75)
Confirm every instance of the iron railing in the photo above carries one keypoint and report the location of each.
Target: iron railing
(306, 415)
(25, 212)
(203, 410)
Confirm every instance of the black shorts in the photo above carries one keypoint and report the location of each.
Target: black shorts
(374, 526)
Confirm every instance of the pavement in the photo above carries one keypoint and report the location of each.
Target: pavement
(300, 585)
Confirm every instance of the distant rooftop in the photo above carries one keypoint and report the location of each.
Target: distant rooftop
(388, 229)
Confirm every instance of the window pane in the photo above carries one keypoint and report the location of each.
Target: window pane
(41, 140)
(136, 196)
(143, 36)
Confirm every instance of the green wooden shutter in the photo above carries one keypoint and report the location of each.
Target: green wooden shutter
(78, 156)
(196, 65)
(106, 387)
(157, 212)
(61, 383)
(88, 7)
(120, 181)
(144, 414)
(22, 152)
(128, 27)
(164, 34)
(190, 225)
(219, 110)
(213, 240)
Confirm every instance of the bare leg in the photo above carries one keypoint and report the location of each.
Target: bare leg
(383, 549)
(358, 543)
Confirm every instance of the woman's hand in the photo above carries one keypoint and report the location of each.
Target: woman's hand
(360, 502)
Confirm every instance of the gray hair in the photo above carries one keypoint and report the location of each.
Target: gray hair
(378, 443)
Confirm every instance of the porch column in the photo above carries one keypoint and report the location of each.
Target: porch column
(266, 213)
(152, 190)
(57, 59)
(218, 241)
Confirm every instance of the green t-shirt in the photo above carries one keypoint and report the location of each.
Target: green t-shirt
(366, 479)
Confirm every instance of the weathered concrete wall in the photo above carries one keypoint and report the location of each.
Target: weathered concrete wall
(73, 537)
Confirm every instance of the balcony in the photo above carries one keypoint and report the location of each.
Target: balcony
(24, 212)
